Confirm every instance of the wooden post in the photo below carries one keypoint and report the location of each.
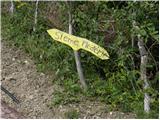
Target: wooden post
(76, 54)
(144, 57)
(35, 16)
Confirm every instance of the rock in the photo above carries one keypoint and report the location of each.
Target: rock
(26, 62)
(42, 74)
(12, 80)
(31, 97)
(13, 59)
(110, 113)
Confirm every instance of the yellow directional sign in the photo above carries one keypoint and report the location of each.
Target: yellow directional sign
(77, 43)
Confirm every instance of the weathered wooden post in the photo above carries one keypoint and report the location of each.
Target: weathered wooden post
(77, 43)
(144, 57)
(35, 16)
(12, 7)
(76, 53)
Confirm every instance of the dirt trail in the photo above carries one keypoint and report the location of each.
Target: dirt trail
(35, 90)
(32, 88)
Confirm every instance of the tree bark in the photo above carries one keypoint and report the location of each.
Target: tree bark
(12, 7)
(35, 17)
(144, 57)
(76, 54)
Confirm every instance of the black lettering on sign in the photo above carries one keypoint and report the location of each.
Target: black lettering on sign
(103, 54)
(70, 41)
(85, 44)
(99, 51)
(95, 49)
(65, 38)
(76, 43)
(58, 36)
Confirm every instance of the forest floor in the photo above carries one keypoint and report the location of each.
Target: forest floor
(35, 90)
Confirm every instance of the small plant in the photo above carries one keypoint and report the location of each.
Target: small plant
(65, 97)
(72, 114)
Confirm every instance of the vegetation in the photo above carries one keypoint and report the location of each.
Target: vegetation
(116, 26)
(73, 114)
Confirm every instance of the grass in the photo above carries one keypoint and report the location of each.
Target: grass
(72, 114)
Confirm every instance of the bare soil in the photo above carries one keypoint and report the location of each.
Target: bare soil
(35, 90)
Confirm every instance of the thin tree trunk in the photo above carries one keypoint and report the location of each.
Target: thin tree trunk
(132, 37)
(76, 54)
(144, 58)
(35, 17)
(12, 7)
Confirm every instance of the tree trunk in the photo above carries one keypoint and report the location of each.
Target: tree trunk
(35, 16)
(144, 56)
(12, 7)
(76, 54)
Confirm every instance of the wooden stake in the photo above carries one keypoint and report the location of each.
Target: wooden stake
(35, 16)
(76, 54)
(12, 7)
(144, 56)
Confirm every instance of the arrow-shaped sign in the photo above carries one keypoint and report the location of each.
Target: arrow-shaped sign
(77, 43)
